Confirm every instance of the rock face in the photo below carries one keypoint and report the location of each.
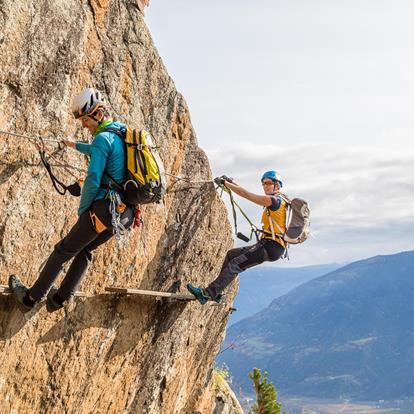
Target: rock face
(103, 353)
(219, 398)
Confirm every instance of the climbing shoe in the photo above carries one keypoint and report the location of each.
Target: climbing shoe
(218, 298)
(200, 294)
(53, 301)
(20, 293)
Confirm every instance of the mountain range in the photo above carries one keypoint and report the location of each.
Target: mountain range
(260, 285)
(349, 334)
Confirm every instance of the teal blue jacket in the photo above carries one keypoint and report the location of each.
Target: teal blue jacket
(107, 153)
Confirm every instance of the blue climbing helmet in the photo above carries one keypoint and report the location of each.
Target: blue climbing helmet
(274, 176)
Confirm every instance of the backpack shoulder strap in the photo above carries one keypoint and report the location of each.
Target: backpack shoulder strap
(289, 213)
(119, 132)
(285, 198)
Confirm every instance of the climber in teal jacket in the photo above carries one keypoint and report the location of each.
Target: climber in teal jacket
(101, 211)
(107, 154)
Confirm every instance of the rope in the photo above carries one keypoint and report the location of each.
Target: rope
(188, 180)
(67, 167)
(40, 146)
(60, 187)
(15, 134)
(39, 143)
(253, 228)
(74, 189)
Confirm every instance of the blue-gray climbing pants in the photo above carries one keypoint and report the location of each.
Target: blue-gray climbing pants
(239, 259)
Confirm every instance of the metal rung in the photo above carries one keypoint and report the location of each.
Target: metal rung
(125, 291)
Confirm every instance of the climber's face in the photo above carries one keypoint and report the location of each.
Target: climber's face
(89, 123)
(270, 187)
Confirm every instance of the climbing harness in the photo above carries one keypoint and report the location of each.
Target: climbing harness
(297, 222)
(116, 208)
(254, 230)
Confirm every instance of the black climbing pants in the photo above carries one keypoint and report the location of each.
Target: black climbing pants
(239, 259)
(79, 243)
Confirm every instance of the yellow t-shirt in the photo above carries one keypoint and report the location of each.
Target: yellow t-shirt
(277, 218)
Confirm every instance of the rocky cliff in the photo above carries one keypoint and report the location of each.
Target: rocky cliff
(102, 353)
(219, 398)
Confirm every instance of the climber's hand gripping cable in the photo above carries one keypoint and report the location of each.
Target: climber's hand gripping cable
(220, 181)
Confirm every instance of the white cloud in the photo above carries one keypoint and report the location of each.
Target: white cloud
(328, 82)
(361, 198)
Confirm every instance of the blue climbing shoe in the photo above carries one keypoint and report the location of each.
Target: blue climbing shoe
(19, 290)
(200, 294)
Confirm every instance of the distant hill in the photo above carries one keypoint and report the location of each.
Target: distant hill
(260, 285)
(349, 333)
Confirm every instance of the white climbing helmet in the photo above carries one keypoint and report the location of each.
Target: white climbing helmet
(87, 102)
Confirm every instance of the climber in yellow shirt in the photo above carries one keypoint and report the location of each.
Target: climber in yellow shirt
(269, 248)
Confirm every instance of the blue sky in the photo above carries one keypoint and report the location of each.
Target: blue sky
(321, 91)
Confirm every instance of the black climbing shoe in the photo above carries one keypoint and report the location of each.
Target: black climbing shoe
(19, 291)
(218, 298)
(200, 294)
(52, 303)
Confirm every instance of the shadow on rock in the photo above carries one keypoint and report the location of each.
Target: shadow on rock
(12, 319)
(130, 318)
(167, 313)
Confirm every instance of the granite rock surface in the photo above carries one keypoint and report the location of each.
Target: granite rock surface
(102, 353)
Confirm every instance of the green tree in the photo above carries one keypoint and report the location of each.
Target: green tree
(266, 396)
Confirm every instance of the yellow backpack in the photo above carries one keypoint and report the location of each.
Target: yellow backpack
(145, 181)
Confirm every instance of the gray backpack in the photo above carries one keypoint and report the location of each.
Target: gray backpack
(297, 221)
